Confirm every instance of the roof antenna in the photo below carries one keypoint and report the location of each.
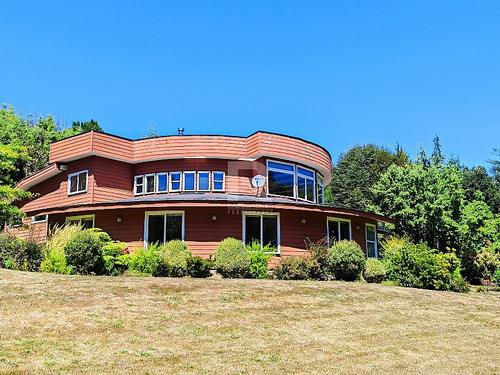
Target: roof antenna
(181, 131)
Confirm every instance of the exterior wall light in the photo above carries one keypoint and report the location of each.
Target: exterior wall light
(304, 220)
(357, 227)
(214, 217)
(118, 219)
(63, 167)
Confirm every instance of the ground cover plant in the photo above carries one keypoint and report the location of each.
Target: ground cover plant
(53, 323)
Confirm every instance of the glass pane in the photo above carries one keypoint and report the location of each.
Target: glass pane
(139, 180)
(218, 176)
(270, 227)
(333, 231)
(150, 184)
(320, 194)
(174, 227)
(204, 181)
(176, 185)
(310, 190)
(162, 182)
(73, 184)
(218, 185)
(88, 222)
(175, 179)
(344, 230)
(175, 176)
(82, 183)
(301, 185)
(370, 249)
(188, 181)
(370, 233)
(281, 183)
(284, 167)
(139, 189)
(155, 228)
(252, 229)
(305, 172)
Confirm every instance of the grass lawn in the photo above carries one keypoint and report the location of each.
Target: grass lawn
(76, 324)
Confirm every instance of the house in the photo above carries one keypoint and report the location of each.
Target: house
(197, 188)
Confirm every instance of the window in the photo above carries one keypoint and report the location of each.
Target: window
(218, 183)
(38, 219)
(280, 179)
(150, 183)
(305, 184)
(175, 181)
(161, 227)
(189, 181)
(162, 182)
(138, 185)
(77, 182)
(320, 194)
(87, 221)
(338, 230)
(204, 181)
(371, 241)
(262, 228)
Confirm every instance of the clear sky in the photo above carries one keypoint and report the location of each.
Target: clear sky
(337, 73)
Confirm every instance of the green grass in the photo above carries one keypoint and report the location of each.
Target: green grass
(81, 324)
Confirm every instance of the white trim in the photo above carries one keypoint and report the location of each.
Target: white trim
(293, 173)
(262, 214)
(322, 185)
(80, 217)
(170, 189)
(333, 218)
(198, 181)
(184, 180)
(33, 221)
(135, 184)
(164, 213)
(306, 177)
(158, 191)
(78, 182)
(374, 242)
(223, 181)
(146, 192)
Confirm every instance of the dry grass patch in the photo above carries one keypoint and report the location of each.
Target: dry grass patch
(77, 324)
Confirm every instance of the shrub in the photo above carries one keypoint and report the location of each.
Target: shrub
(198, 267)
(232, 259)
(54, 259)
(115, 259)
(174, 257)
(375, 271)
(496, 277)
(84, 253)
(297, 268)
(259, 259)
(145, 261)
(28, 256)
(319, 252)
(8, 247)
(346, 260)
(486, 264)
(419, 266)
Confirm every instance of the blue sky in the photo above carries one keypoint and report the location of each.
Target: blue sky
(337, 73)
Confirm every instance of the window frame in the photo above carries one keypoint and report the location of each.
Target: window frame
(374, 242)
(79, 218)
(184, 181)
(197, 184)
(320, 182)
(313, 178)
(223, 181)
(158, 191)
(146, 192)
(135, 184)
(164, 213)
(338, 219)
(170, 188)
(34, 221)
(294, 173)
(78, 182)
(262, 214)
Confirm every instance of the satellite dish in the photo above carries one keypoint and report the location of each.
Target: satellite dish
(258, 181)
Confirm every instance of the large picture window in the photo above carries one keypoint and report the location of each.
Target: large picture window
(77, 182)
(338, 230)
(164, 226)
(262, 228)
(87, 221)
(280, 179)
(371, 241)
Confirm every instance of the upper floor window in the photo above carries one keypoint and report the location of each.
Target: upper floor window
(175, 181)
(189, 181)
(162, 182)
(218, 181)
(320, 194)
(150, 183)
(77, 182)
(305, 184)
(203, 181)
(280, 179)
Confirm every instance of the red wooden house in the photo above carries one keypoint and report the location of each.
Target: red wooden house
(195, 188)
